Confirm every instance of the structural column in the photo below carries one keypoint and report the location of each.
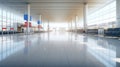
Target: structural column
(68, 26)
(48, 30)
(118, 13)
(71, 26)
(40, 19)
(48, 26)
(76, 20)
(85, 8)
(28, 30)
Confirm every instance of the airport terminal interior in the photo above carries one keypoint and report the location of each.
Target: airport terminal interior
(59, 33)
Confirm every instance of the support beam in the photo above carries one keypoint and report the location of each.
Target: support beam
(48, 26)
(71, 26)
(40, 19)
(118, 13)
(76, 17)
(28, 29)
(85, 8)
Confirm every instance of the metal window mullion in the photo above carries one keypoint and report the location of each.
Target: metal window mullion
(2, 19)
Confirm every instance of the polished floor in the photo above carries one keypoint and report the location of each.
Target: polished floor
(58, 49)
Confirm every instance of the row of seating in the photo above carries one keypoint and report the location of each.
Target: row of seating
(92, 31)
(7, 32)
(112, 32)
(115, 32)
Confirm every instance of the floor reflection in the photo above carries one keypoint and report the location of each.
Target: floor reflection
(13, 43)
(8, 46)
(58, 49)
(102, 50)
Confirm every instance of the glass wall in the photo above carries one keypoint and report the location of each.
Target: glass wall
(0, 19)
(104, 17)
(8, 18)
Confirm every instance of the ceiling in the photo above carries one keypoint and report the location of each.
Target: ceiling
(55, 10)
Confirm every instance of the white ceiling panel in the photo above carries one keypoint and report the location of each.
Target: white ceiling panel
(55, 10)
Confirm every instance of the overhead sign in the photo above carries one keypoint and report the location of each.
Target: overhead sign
(30, 18)
(39, 22)
(26, 17)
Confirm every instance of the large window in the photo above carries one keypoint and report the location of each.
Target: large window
(103, 17)
(0, 19)
(8, 18)
(4, 19)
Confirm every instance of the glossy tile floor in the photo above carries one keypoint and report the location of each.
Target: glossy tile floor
(58, 49)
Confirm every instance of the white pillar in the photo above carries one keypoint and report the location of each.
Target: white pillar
(28, 29)
(48, 25)
(68, 26)
(40, 19)
(48, 30)
(76, 17)
(118, 13)
(85, 7)
(71, 26)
